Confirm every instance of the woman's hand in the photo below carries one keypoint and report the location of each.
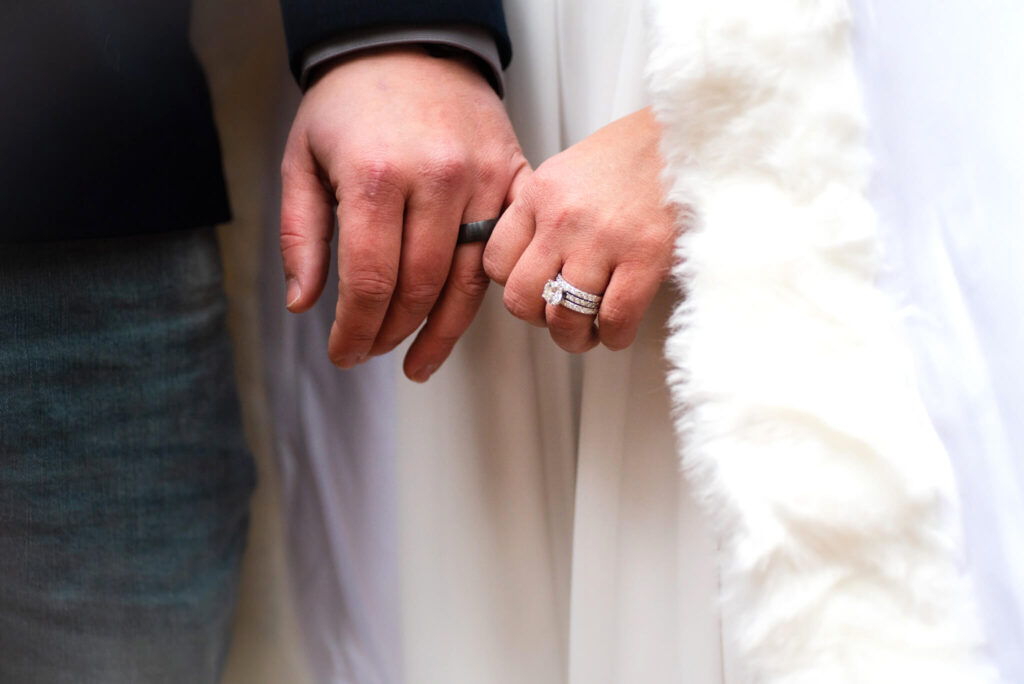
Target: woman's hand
(597, 214)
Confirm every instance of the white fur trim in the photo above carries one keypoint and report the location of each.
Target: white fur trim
(800, 424)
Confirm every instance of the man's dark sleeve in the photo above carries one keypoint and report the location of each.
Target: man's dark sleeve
(308, 23)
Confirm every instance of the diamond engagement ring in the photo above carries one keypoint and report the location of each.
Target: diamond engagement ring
(560, 292)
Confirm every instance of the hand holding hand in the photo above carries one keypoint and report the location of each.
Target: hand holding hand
(597, 214)
(407, 147)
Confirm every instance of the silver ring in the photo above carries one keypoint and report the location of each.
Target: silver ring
(560, 292)
(477, 231)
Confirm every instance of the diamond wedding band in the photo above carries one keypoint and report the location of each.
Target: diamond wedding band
(560, 292)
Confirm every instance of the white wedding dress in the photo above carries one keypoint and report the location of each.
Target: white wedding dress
(544, 533)
(547, 535)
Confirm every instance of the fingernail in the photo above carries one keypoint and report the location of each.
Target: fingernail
(352, 360)
(294, 292)
(423, 374)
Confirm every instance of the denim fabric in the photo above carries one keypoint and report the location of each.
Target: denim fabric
(124, 477)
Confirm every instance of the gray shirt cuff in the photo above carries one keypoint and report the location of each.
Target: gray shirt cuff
(472, 39)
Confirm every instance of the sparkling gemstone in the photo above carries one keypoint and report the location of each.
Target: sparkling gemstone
(553, 293)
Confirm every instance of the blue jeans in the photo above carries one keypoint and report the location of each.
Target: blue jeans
(124, 477)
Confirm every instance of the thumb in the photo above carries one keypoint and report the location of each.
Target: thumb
(307, 224)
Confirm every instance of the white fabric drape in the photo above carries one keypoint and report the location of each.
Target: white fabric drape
(945, 100)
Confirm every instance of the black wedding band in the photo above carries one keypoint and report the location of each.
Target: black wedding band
(478, 231)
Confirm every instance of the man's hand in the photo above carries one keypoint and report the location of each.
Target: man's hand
(407, 147)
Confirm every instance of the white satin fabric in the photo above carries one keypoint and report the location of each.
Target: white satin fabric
(944, 89)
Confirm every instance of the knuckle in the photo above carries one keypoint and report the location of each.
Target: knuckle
(616, 338)
(370, 287)
(569, 213)
(562, 218)
(563, 320)
(446, 170)
(377, 176)
(361, 337)
(488, 175)
(653, 248)
(418, 293)
(519, 305)
(290, 238)
(444, 339)
(298, 227)
(616, 317)
(472, 284)
(291, 170)
(494, 263)
(294, 235)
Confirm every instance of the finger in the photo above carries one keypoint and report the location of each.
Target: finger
(307, 223)
(509, 240)
(463, 294)
(370, 215)
(525, 286)
(458, 305)
(519, 183)
(428, 243)
(630, 293)
(571, 330)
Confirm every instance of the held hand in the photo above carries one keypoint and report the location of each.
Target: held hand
(407, 147)
(595, 213)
